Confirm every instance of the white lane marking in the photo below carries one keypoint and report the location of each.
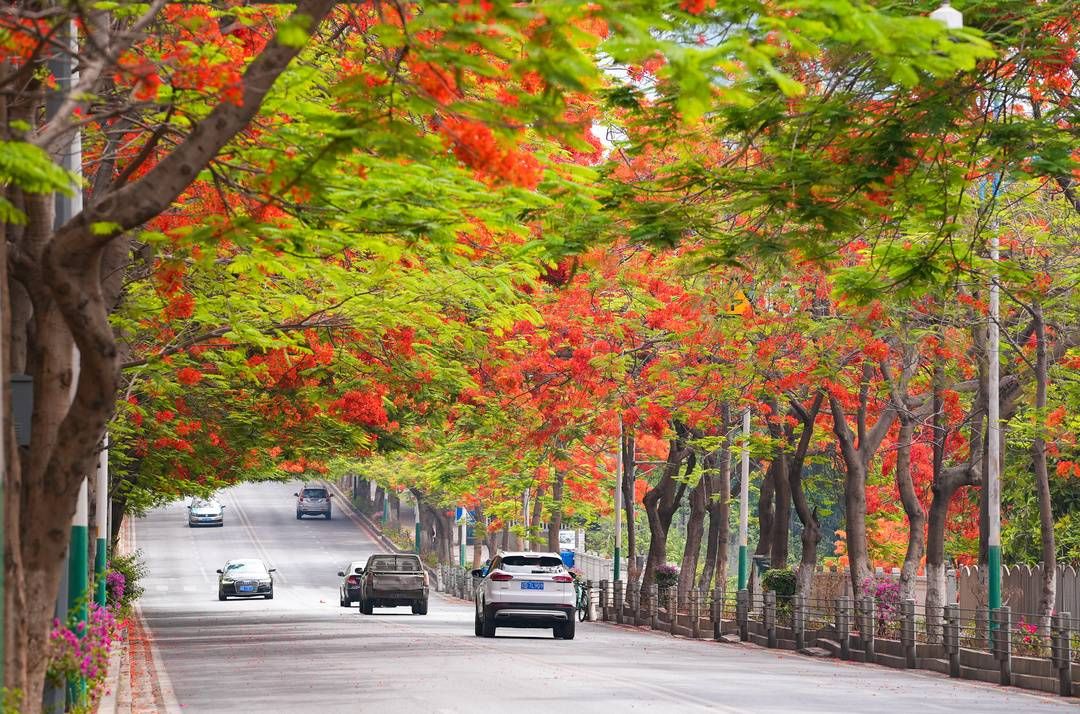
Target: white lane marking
(242, 516)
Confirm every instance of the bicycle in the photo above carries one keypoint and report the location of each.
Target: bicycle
(581, 589)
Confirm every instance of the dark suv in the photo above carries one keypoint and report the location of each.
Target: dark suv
(313, 501)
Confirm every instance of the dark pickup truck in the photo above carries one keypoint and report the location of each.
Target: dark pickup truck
(390, 580)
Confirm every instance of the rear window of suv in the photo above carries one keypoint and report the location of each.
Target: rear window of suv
(314, 493)
(531, 564)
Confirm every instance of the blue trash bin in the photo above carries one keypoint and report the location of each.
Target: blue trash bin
(567, 558)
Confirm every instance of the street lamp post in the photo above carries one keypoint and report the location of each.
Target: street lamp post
(744, 503)
(953, 19)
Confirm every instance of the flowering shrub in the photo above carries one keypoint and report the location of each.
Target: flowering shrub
(667, 575)
(886, 594)
(1026, 640)
(122, 586)
(82, 649)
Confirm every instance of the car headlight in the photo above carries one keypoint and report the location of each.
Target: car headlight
(226, 581)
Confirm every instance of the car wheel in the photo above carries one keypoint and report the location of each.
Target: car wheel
(221, 525)
(487, 626)
(328, 515)
(221, 594)
(565, 631)
(299, 515)
(478, 627)
(270, 596)
(423, 607)
(365, 607)
(343, 601)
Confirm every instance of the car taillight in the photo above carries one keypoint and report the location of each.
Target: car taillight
(563, 579)
(352, 580)
(499, 576)
(425, 578)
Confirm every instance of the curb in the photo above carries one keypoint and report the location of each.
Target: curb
(372, 528)
(365, 522)
(117, 697)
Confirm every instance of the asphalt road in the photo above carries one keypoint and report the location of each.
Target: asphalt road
(302, 652)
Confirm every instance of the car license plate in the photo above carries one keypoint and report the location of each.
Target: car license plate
(247, 588)
(532, 585)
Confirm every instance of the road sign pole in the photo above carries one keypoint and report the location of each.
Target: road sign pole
(744, 503)
(101, 521)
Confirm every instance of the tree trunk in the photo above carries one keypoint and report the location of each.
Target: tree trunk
(857, 459)
(695, 529)
(661, 502)
(478, 536)
(765, 512)
(1048, 596)
(716, 473)
(555, 525)
(533, 534)
(913, 509)
(395, 510)
(811, 532)
(782, 515)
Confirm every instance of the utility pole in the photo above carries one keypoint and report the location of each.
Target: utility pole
(744, 503)
(993, 427)
(463, 536)
(618, 502)
(101, 520)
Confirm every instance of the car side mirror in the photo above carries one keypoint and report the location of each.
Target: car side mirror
(359, 571)
(329, 495)
(478, 573)
(296, 493)
(219, 570)
(341, 573)
(271, 570)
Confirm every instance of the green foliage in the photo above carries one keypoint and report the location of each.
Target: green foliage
(133, 568)
(781, 581)
(10, 700)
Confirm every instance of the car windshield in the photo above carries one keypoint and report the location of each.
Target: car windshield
(390, 563)
(245, 568)
(531, 564)
(314, 493)
(200, 503)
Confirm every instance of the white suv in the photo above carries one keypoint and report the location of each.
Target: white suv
(525, 590)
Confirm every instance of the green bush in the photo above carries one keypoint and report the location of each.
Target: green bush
(781, 581)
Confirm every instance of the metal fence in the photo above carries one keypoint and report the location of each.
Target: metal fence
(999, 645)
